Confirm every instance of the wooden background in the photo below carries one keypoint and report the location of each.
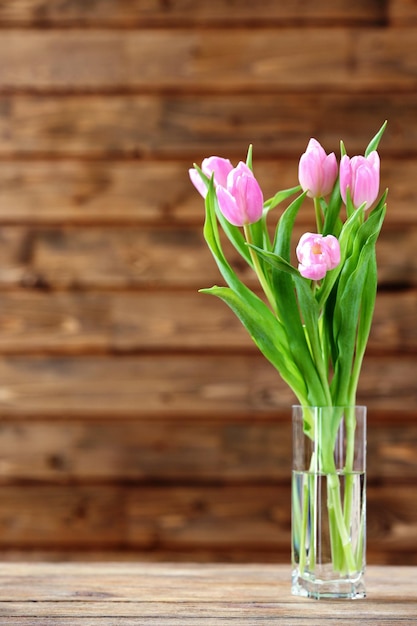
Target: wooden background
(137, 420)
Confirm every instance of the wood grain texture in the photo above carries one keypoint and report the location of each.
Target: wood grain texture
(132, 322)
(137, 418)
(173, 385)
(134, 13)
(170, 518)
(133, 594)
(131, 192)
(252, 60)
(191, 126)
(154, 257)
(203, 451)
(402, 12)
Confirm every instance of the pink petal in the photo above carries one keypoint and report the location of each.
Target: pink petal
(229, 207)
(197, 181)
(219, 167)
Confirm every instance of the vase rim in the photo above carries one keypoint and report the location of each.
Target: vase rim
(329, 406)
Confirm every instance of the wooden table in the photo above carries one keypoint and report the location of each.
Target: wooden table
(110, 594)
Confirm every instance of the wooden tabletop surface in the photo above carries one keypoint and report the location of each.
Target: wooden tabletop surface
(110, 594)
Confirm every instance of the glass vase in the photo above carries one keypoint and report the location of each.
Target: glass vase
(329, 502)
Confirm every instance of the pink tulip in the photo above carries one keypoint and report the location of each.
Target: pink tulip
(317, 254)
(241, 199)
(212, 165)
(317, 171)
(361, 175)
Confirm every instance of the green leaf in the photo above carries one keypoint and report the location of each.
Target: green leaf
(267, 333)
(332, 222)
(364, 324)
(266, 330)
(276, 261)
(249, 157)
(369, 292)
(356, 234)
(258, 235)
(233, 233)
(373, 144)
(204, 178)
(279, 197)
(212, 237)
(288, 352)
(346, 236)
(287, 303)
(282, 242)
(306, 354)
(349, 315)
(311, 318)
(354, 304)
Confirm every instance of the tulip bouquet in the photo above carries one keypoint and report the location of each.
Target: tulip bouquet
(313, 320)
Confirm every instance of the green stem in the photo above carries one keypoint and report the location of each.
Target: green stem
(304, 522)
(339, 517)
(333, 485)
(259, 271)
(354, 377)
(321, 369)
(308, 505)
(313, 520)
(350, 422)
(343, 558)
(319, 217)
(335, 542)
(360, 546)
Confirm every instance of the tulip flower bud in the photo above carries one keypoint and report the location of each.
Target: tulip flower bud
(361, 175)
(317, 171)
(212, 165)
(241, 200)
(317, 254)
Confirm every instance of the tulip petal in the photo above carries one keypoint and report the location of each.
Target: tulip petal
(219, 167)
(361, 175)
(317, 255)
(197, 181)
(229, 207)
(241, 202)
(317, 171)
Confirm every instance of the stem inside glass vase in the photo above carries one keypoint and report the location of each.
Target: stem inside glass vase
(328, 501)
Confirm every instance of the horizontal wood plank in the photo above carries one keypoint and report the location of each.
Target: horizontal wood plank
(132, 13)
(402, 12)
(191, 451)
(155, 257)
(150, 518)
(206, 613)
(97, 554)
(128, 322)
(68, 516)
(119, 594)
(166, 582)
(116, 192)
(192, 126)
(251, 60)
(170, 386)
(103, 192)
(133, 386)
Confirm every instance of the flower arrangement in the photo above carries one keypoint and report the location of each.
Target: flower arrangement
(313, 321)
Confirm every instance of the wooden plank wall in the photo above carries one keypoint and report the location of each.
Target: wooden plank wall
(137, 420)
